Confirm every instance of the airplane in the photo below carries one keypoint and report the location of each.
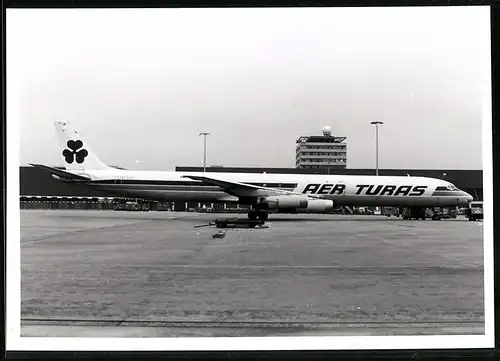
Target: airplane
(264, 193)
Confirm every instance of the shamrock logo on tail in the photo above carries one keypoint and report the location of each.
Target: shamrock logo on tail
(74, 153)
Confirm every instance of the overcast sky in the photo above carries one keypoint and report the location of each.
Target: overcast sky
(141, 84)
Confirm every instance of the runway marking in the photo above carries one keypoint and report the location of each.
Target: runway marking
(77, 231)
(244, 323)
(423, 251)
(420, 268)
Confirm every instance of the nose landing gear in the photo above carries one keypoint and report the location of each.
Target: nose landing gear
(414, 213)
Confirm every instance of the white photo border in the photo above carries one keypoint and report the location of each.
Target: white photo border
(14, 342)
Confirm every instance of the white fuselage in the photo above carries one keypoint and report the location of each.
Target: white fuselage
(346, 190)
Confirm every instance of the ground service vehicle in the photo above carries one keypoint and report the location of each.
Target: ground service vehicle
(475, 211)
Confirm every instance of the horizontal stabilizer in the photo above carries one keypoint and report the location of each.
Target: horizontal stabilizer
(61, 173)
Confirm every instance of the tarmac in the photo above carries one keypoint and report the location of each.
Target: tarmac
(149, 274)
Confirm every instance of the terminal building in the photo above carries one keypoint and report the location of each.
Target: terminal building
(321, 152)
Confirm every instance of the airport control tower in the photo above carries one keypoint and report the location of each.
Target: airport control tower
(326, 151)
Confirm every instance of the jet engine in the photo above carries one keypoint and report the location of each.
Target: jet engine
(62, 179)
(319, 205)
(284, 202)
(296, 202)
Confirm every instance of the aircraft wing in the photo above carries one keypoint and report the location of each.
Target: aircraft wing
(243, 189)
(61, 173)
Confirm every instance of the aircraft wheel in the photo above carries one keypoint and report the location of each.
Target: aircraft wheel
(263, 216)
(252, 215)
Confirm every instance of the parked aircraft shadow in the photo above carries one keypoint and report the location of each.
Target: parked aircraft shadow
(272, 219)
(349, 219)
(311, 219)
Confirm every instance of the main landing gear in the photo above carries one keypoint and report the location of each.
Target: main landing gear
(419, 213)
(253, 214)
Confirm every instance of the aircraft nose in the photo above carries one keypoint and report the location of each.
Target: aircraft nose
(468, 197)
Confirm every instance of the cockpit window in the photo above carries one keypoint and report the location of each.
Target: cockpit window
(449, 187)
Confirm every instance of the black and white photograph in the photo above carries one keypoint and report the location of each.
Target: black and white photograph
(249, 178)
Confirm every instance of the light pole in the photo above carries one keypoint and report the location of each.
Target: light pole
(376, 123)
(204, 150)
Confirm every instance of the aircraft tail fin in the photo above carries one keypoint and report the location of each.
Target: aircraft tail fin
(76, 153)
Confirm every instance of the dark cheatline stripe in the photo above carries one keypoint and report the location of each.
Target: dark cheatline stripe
(156, 187)
(185, 183)
(146, 182)
(166, 188)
